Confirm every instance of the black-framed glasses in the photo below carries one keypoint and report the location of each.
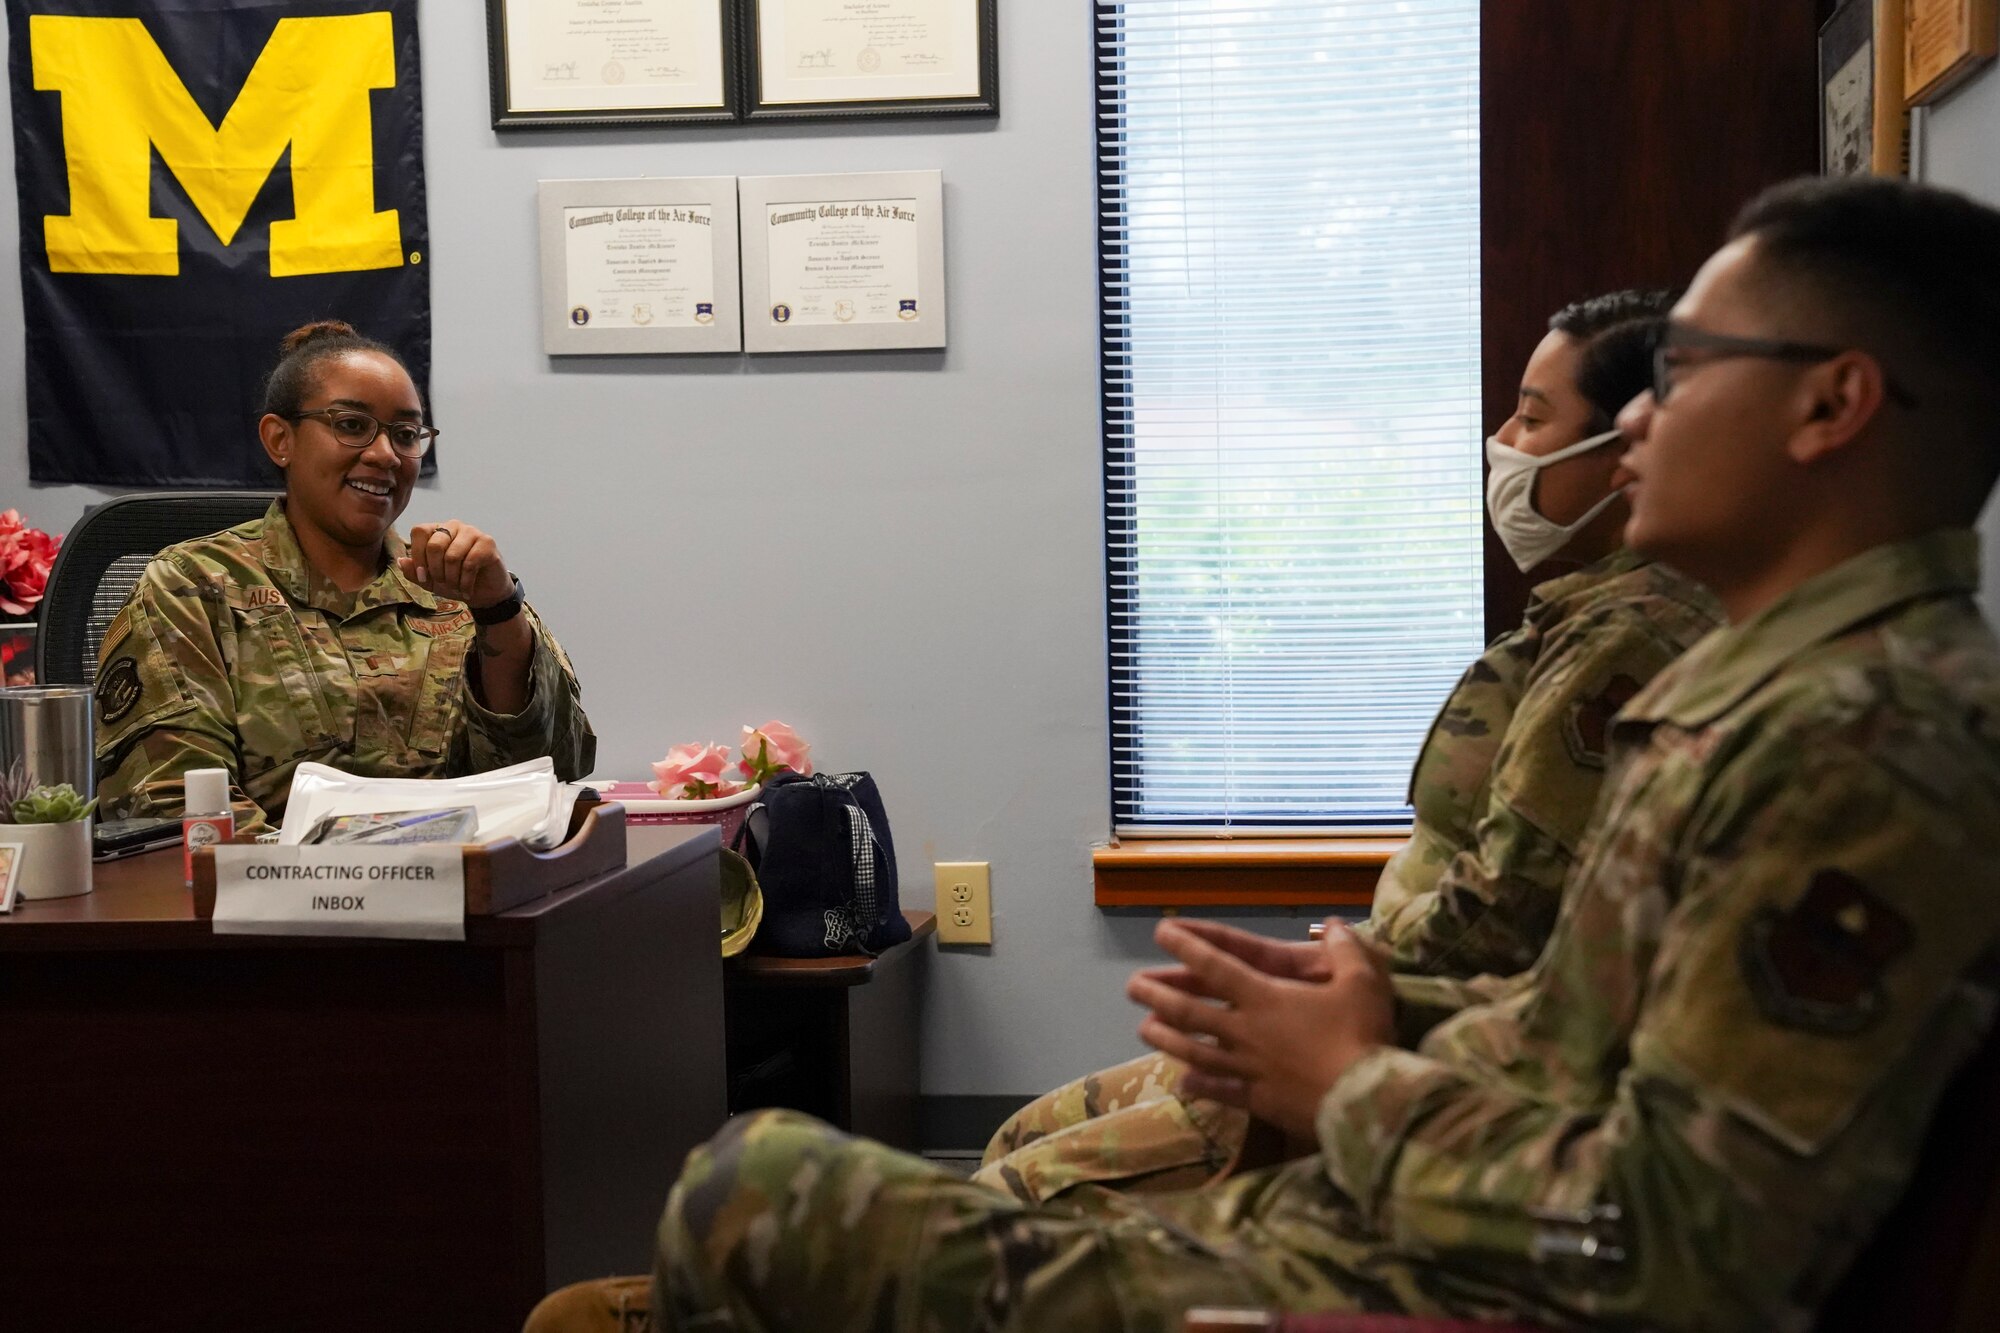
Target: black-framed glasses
(357, 430)
(1670, 338)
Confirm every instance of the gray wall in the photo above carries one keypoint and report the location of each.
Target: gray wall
(899, 554)
(1957, 146)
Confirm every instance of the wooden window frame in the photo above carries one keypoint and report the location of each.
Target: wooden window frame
(1241, 872)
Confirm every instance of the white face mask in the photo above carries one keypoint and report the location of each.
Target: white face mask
(1510, 499)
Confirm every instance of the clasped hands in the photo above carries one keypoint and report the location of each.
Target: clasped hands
(456, 560)
(1264, 1024)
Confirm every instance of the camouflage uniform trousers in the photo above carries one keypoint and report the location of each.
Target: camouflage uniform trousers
(784, 1223)
(1128, 1127)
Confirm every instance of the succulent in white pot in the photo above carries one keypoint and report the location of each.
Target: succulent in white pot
(52, 827)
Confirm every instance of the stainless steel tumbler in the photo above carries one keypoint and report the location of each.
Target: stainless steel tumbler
(50, 727)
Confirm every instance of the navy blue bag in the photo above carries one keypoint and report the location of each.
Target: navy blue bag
(827, 866)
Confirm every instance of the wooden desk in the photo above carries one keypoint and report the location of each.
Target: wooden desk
(835, 1037)
(234, 1132)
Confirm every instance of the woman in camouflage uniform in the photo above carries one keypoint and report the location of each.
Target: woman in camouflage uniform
(315, 633)
(1505, 782)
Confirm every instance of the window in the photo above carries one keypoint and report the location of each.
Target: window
(1289, 212)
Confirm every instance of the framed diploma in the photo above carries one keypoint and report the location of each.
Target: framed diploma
(1944, 42)
(604, 62)
(815, 59)
(639, 266)
(841, 263)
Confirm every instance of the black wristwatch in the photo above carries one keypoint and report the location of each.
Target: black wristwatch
(501, 612)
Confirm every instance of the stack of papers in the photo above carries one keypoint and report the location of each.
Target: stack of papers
(523, 801)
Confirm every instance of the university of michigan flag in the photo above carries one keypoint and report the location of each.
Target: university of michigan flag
(198, 177)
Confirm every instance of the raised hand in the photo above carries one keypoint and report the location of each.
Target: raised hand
(456, 560)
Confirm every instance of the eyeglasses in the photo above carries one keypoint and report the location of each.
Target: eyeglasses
(357, 430)
(1670, 339)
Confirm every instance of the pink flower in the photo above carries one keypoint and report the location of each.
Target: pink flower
(25, 557)
(694, 772)
(771, 748)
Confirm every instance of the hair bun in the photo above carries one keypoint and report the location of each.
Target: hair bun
(318, 331)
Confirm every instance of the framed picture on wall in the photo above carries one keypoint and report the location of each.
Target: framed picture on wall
(843, 263)
(560, 63)
(639, 266)
(1944, 42)
(1863, 124)
(821, 59)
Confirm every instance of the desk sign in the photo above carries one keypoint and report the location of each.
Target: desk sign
(406, 893)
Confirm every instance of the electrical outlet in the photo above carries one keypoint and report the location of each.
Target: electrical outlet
(964, 902)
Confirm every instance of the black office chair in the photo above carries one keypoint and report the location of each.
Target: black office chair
(101, 559)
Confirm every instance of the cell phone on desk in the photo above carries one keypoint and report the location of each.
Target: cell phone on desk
(113, 838)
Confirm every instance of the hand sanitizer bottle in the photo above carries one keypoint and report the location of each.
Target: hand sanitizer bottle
(208, 820)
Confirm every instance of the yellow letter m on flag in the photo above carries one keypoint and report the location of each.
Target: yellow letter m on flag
(121, 99)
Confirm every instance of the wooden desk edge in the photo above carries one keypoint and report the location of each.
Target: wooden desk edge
(151, 909)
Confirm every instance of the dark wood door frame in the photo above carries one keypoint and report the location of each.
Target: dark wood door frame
(1618, 141)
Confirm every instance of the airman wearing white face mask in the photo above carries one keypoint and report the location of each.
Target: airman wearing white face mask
(1505, 785)
(1551, 483)
(1529, 535)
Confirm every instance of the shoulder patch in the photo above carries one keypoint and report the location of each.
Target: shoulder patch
(118, 689)
(1818, 965)
(1587, 728)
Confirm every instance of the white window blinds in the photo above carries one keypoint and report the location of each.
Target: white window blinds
(1289, 229)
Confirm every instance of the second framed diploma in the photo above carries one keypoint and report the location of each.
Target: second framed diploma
(836, 263)
(639, 266)
(813, 59)
(570, 62)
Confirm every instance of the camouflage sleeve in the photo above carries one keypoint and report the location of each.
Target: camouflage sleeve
(1494, 904)
(1423, 1002)
(551, 723)
(1813, 991)
(165, 700)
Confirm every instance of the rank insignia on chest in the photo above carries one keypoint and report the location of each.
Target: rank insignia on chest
(1818, 964)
